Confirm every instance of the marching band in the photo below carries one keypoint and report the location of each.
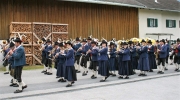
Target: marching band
(104, 58)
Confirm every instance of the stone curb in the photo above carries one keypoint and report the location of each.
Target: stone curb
(80, 87)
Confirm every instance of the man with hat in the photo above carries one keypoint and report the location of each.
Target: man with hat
(19, 62)
(89, 39)
(152, 59)
(6, 50)
(94, 60)
(143, 64)
(112, 59)
(48, 64)
(77, 54)
(85, 56)
(43, 55)
(162, 51)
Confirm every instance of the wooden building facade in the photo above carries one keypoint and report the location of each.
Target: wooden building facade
(83, 19)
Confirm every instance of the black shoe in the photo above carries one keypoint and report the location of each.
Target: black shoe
(15, 85)
(161, 72)
(43, 71)
(165, 69)
(84, 74)
(120, 77)
(176, 69)
(46, 72)
(151, 70)
(57, 77)
(113, 74)
(106, 77)
(69, 85)
(18, 91)
(63, 80)
(144, 74)
(60, 80)
(72, 82)
(140, 74)
(110, 74)
(102, 80)
(78, 71)
(12, 84)
(93, 77)
(6, 73)
(24, 87)
(49, 73)
(126, 77)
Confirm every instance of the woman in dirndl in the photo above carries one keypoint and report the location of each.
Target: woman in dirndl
(103, 61)
(70, 72)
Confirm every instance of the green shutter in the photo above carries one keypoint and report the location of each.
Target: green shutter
(156, 22)
(167, 23)
(148, 22)
(174, 24)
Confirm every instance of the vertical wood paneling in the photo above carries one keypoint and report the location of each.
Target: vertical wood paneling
(83, 19)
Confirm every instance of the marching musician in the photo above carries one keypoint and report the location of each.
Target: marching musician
(57, 50)
(178, 55)
(70, 72)
(133, 54)
(89, 39)
(48, 64)
(85, 56)
(120, 57)
(152, 59)
(6, 50)
(103, 61)
(157, 45)
(44, 46)
(112, 53)
(162, 51)
(61, 59)
(171, 55)
(19, 62)
(94, 61)
(124, 68)
(143, 65)
(167, 56)
(77, 54)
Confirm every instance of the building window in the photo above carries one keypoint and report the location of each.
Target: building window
(152, 22)
(171, 23)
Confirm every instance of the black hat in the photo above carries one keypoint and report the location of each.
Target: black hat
(178, 40)
(157, 41)
(143, 41)
(77, 39)
(11, 44)
(93, 42)
(43, 39)
(56, 43)
(130, 42)
(112, 43)
(48, 41)
(150, 41)
(69, 42)
(17, 40)
(104, 42)
(61, 44)
(84, 40)
(89, 38)
(163, 41)
(125, 43)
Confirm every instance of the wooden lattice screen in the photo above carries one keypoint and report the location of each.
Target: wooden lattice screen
(32, 32)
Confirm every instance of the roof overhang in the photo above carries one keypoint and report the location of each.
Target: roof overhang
(105, 3)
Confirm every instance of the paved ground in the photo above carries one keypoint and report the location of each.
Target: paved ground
(167, 88)
(40, 84)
